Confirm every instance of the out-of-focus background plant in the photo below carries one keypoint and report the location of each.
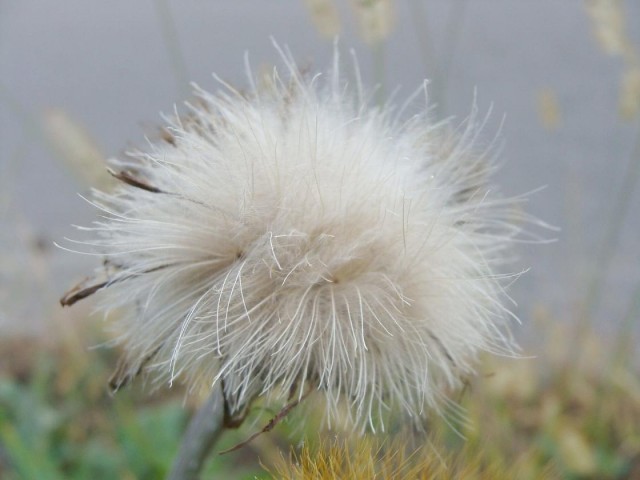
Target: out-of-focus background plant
(81, 81)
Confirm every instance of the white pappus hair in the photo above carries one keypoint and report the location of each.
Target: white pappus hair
(296, 235)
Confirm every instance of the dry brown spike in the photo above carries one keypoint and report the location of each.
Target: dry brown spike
(167, 136)
(129, 179)
(89, 286)
(122, 376)
(272, 423)
(82, 290)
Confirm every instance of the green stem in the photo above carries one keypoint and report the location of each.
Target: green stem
(428, 57)
(172, 42)
(612, 235)
(421, 26)
(453, 28)
(625, 334)
(379, 72)
(203, 431)
(438, 69)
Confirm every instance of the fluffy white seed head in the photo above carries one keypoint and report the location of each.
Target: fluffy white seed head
(295, 235)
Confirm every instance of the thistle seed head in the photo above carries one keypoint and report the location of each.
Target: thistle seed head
(296, 235)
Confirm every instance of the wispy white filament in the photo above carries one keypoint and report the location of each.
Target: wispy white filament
(297, 235)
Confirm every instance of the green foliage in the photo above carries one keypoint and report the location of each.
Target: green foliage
(552, 414)
(60, 422)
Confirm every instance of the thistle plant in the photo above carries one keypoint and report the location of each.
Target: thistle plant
(293, 237)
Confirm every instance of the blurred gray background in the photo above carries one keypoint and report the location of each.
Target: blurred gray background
(112, 67)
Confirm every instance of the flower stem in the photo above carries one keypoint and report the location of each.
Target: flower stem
(201, 435)
(614, 228)
(172, 43)
(379, 73)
